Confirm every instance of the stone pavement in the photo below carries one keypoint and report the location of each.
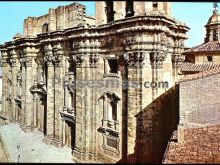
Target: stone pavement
(28, 147)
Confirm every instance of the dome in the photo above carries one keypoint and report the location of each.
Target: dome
(215, 18)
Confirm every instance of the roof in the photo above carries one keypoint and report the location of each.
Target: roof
(191, 67)
(205, 47)
(203, 74)
(215, 18)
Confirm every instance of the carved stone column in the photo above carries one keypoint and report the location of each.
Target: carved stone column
(134, 63)
(49, 59)
(35, 102)
(5, 67)
(177, 60)
(157, 58)
(13, 62)
(81, 109)
(23, 96)
(29, 96)
(59, 53)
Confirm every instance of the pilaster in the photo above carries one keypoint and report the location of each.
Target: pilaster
(134, 64)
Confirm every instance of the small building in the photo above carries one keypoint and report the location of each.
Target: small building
(206, 55)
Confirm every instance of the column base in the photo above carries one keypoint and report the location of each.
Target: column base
(26, 128)
(80, 157)
(4, 120)
(48, 139)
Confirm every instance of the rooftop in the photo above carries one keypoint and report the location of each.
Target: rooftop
(191, 67)
(203, 74)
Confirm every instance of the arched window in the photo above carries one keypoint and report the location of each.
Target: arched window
(129, 9)
(45, 28)
(109, 11)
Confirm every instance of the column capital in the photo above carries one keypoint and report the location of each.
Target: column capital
(177, 59)
(4, 62)
(29, 61)
(134, 59)
(13, 62)
(94, 60)
(49, 58)
(59, 53)
(78, 59)
(157, 58)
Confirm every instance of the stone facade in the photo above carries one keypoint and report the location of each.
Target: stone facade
(46, 74)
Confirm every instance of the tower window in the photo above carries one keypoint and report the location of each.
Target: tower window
(45, 28)
(209, 58)
(109, 10)
(129, 9)
(155, 6)
(215, 37)
(113, 65)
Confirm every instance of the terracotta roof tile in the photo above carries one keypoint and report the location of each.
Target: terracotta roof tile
(209, 46)
(190, 67)
(199, 75)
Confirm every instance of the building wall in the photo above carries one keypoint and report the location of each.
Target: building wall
(62, 17)
(50, 71)
(140, 8)
(196, 97)
(155, 125)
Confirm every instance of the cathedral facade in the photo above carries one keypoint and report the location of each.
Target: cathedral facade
(68, 74)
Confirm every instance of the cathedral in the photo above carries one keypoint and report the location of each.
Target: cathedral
(65, 75)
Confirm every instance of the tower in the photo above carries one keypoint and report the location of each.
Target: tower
(108, 11)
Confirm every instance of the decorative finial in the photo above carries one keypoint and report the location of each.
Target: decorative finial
(215, 5)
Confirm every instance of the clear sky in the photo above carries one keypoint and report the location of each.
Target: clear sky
(12, 14)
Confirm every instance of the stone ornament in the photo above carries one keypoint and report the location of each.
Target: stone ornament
(78, 59)
(93, 60)
(157, 59)
(134, 59)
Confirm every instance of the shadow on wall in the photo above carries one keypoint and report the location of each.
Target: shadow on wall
(155, 126)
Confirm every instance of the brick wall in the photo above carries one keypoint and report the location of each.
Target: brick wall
(201, 145)
(199, 101)
(155, 125)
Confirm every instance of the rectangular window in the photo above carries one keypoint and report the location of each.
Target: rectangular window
(215, 37)
(209, 58)
(155, 6)
(113, 65)
(129, 9)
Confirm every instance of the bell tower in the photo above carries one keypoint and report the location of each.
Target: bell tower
(109, 11)
(213, 26)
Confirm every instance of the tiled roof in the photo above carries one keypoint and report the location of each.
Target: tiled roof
(199, 75)
(209, 46)
(190, 67)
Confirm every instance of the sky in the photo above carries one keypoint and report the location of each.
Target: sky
(12, 15)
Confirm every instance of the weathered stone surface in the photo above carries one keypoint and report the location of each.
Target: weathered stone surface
(83, 85)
